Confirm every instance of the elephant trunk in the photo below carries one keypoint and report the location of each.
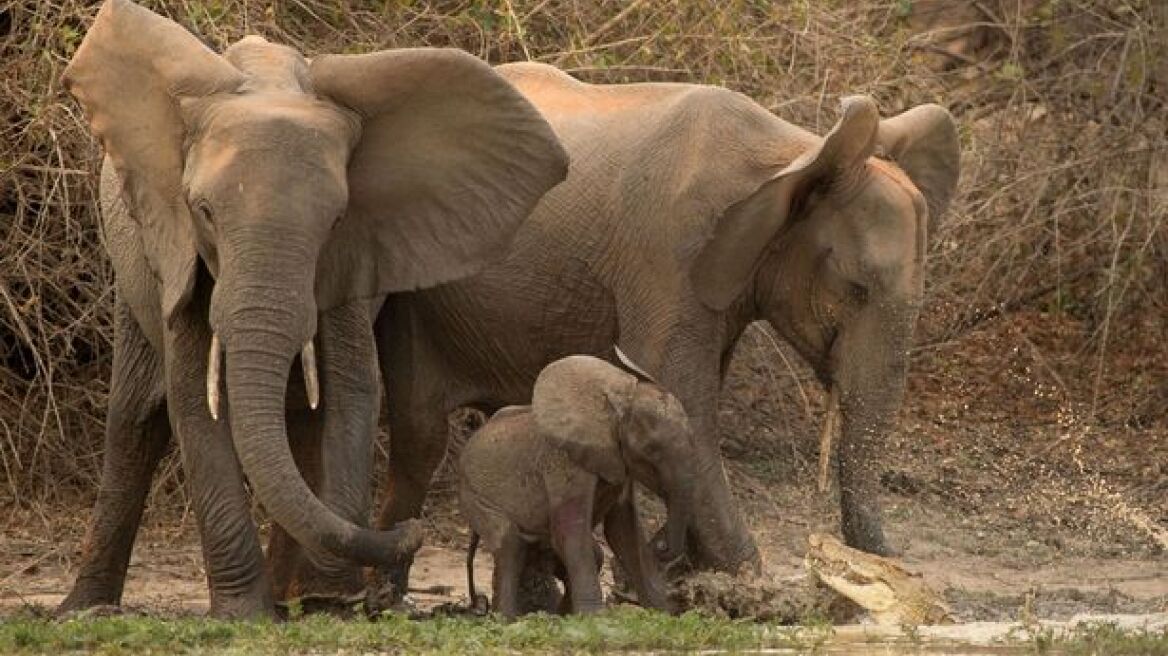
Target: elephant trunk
(260, 349)
(721, 538)
(677, 522)
(871, 365)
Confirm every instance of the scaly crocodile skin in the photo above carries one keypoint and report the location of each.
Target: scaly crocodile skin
(883, 587)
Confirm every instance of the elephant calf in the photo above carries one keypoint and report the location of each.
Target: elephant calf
(545, 474)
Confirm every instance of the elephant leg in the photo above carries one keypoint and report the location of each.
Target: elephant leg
(573, 542)
(622, 527)
(688, 365)
(505, 580)
(136, 436)
(417, 445)
(236, 576)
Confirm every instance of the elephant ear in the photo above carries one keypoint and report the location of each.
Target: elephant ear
(450, 162)
(577, 405)
(726, 262)
(923, 142)
(128, 74)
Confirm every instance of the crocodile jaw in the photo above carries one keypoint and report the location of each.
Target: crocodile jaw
(874, 596)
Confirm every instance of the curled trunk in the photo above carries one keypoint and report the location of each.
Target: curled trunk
(259, 358)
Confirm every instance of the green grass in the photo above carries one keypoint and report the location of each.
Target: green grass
(1102, 638)
(623, 629)
(617, 629)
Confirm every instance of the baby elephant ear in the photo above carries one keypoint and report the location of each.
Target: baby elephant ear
(577, 404)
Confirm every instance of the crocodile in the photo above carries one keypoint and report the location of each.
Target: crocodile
(892, 594)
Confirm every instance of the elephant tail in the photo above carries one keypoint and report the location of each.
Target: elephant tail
(471, 549)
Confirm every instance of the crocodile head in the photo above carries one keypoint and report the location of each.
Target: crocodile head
(889, 592)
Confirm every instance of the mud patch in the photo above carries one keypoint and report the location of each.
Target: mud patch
(792, 601)
(1052, 604)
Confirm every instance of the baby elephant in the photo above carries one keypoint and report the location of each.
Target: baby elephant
(545, 474)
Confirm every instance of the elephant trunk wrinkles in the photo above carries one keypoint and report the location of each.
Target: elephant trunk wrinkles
(259, 356)
(870, 373)
(680, 507)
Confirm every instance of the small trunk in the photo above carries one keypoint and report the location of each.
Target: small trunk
(677, 522)
(258, 363)
(722, 540)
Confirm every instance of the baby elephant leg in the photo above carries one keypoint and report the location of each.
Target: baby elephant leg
(505, 580)
(573, 542)
(565, 604)
(623, 530)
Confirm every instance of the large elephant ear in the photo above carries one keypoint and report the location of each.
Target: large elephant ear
(577, 404)
(727, 261)
(128, 74)
(923, 142)
(451, 160)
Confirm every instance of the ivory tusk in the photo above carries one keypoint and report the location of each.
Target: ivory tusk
(311, 382)
(632, 366)
(825, 437)
(214, 368)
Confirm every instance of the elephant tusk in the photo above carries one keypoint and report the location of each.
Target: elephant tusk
(214, 368)
(311, 382)
(825, 437)
(632, 366)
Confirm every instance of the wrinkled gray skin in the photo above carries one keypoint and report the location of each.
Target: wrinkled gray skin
(546, 474)
(688, 213)
(262, 200)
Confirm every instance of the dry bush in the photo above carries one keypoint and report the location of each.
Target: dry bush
(1061, 205)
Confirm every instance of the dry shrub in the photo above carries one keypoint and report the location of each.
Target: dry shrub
(1060, 209)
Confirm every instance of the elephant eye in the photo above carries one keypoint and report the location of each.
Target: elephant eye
(203, 209)
(857, 293)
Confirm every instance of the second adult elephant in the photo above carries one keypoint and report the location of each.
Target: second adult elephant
(253, 203)
(689, 212)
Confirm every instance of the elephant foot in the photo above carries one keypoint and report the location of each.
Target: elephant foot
(85, 597)
(387, 587)
(242, 607)
(310, 582)
(249, 598)
(862, 529)
(339, 606)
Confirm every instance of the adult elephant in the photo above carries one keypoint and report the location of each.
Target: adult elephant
(252, 204)
(689, 212)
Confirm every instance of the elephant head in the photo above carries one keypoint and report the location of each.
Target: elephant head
(299, 186)
(830, 249)
(622, 426)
